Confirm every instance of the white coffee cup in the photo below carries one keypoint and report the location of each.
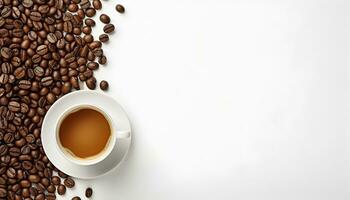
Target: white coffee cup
(115, 134)
(116, 148)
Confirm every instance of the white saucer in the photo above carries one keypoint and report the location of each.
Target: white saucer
(106, 103)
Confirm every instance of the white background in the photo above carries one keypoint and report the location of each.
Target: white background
(230, 100)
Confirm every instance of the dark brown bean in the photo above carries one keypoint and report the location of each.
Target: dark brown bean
(90, 12)
(69, 183)
(104, 85)
(105, 19)
(90, 22)
(61, 189)
(76, 198)
(88, 192)
(109, 28)
(97, 4)
(120, 8)
(103, 37)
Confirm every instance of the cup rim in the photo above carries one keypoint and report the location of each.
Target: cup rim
(99, 157)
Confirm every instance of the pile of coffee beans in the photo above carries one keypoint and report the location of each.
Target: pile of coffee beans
(46, 51)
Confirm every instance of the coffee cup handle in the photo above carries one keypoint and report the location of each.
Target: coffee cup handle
(122, 134)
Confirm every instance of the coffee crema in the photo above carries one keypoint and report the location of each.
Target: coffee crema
(84, 133)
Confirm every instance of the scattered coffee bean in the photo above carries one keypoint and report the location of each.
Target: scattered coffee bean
(69, 183)
(76, 198)
(120, 8)
(90, 22)
(88, 192)
(97, 4)
(61, 189)
(105, 18)
(103, 38)
(104, 85)
(109, 28)
(90, 12)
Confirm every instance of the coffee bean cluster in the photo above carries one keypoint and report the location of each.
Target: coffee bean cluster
(46, 51)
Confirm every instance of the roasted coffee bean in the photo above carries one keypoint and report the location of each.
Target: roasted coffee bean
(3, 192)
(27, 3)
(105, 18)
(97, 4)
(35, 16)
(19, 72)
(24, 84)
(3, 150)
(42, 50)
(11, 172)
(14, 106)
(14, 151)
(73, 7)
(47, 81)
(103, 37)
(76, 198)
(104, 85)
(61, 189)
(120, 8)
(90, 12)
(90, 22)
(6, 52)
(91, 83)
(86, 29)
(34, 178)
(88, 192)
(85, 4)
(51, 37)
(109, 28)
(69, 183)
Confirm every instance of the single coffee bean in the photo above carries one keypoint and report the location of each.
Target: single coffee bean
(34, 178)
(61, 189)
(51, 37)
(88, 192)
(85, 4)
(35, 16)
(105, 18)
(11, 172)
(27, 3)
(3, 192)
(104, 85)
(73, 7)
(47, 81)
(86, 29)
(25, 183)
(51, 188)
(91, 83)
(14, 151)
(56, 180)
(42, 50)
(24, 84)
(69, 183)
(109, 28)
(19, 73)
(120, 8)
(90, 22)
(90, 12)
(97, 4)
(14, 106)
(104, 37)
(6, 12)
(92, 65)
(76, 198)
(6, 52)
